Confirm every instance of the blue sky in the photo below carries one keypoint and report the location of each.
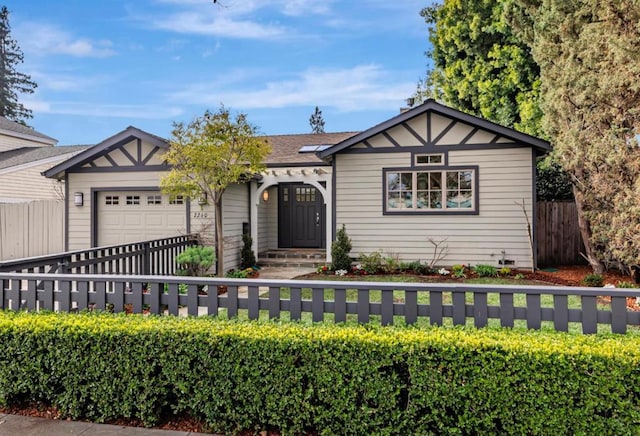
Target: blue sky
(106, 64)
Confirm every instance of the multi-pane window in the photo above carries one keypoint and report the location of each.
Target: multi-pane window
(430, 159)
(154, 199)
(409, 191)
(133, 199)
(178, 199)
(111, 200)
(305, 195)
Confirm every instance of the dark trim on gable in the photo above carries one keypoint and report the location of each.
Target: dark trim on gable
(103, 148)
(390, 139)
(111, 161)
(139, 150)
(367, 144)
(150, 155)
(470, 135)
(445, 131)
(435, 148)
(117, 169)
(415, 134)
(431, 106)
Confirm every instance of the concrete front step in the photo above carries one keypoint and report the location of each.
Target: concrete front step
(292, 258)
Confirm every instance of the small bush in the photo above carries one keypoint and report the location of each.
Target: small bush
(458, 271)
(485, 270)
(519, 276)
(371, 263)
(593, 280)
(247, 256)
(237, 274)
(621, 284)
(195, 261)
(391, 264)
(340, 249)
(505, 271)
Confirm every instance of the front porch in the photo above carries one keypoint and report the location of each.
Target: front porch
(291, 216)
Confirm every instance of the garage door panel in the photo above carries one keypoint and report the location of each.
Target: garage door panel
(129, 216)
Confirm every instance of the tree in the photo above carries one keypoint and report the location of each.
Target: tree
(12, 82)
(588, 53)
(316, 121)
(480, 66)
(209, 154)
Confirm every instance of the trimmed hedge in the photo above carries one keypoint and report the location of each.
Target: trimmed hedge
(333, 379)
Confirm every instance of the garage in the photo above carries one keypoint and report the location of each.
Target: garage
(130, 216)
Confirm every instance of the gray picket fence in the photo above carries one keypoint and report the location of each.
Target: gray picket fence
(317, 301)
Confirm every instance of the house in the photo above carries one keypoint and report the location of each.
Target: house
(24, 155)
(431, 173)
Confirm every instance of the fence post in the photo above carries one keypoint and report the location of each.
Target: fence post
(146, 259)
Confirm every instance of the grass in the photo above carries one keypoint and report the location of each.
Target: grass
(493, 299)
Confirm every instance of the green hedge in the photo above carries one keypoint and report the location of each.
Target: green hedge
(331, 379)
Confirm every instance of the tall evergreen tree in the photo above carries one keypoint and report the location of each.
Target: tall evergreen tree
(588, 53)
(12, 82)
(316, 121)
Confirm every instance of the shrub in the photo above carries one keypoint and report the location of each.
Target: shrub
(195, 261)
(504, 271)
(621, 284)
(485, 270)
(242, 377)
(458, 271)
(391, 264)
(247, 257)
(593, 280)
(238, 273)
(340, 249)
(371, 263)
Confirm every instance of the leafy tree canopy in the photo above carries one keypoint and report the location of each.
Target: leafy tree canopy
(480, 66)
(12, 82)
(209, 154)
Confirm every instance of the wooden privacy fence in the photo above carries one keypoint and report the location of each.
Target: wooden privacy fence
(558, 236)
(146, 257)
(386, 303)
(31, 229)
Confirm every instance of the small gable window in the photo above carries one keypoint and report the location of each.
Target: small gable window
(445, 189)
(430, 159)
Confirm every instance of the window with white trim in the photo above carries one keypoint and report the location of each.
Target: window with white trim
(178, 199)
(154, 199)
(430, 190)
(133, 199)
(430, 159)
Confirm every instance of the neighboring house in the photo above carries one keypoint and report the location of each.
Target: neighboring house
(429, 173)
(24, 155)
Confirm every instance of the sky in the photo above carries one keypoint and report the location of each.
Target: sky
(103, 65)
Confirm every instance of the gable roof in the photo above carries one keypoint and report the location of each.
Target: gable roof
(27, 155)
(104, 147)
(12, 128)
(286, 148)
(433, 106)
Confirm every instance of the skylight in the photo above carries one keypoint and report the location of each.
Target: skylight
(313, 148)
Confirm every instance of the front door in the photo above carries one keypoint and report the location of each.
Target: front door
(300, 216)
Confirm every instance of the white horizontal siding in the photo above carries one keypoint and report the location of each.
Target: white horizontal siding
(235, 210)
(505, 178)
(28, 184)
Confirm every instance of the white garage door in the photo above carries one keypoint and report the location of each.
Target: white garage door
(130, 216)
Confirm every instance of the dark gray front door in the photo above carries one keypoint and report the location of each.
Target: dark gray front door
(300, 216)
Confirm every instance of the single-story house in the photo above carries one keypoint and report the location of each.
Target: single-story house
(24, 154)
(431, 173)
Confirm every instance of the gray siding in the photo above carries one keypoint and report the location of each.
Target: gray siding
(505, 177)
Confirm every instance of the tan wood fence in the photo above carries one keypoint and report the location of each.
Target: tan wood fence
(31, 229)
(559, 240)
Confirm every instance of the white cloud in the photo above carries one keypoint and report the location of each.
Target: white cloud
(364, 87)
(67, 82)
(131, 111)
(306, 7)
(47, 39)
(216, 25)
